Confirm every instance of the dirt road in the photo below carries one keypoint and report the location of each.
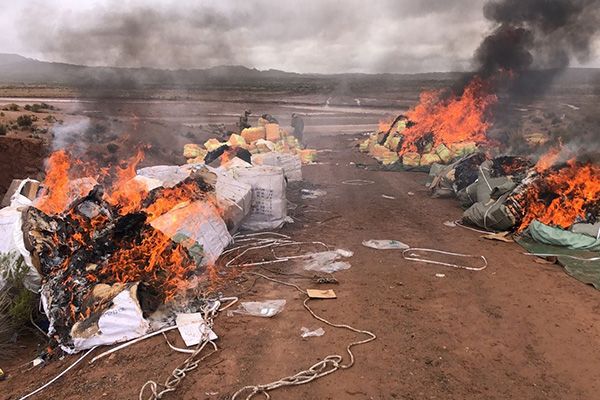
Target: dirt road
(517, 330)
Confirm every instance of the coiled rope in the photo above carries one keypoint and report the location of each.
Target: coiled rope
(326, 366)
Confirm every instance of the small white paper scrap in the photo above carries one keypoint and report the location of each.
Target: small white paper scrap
(193, 328)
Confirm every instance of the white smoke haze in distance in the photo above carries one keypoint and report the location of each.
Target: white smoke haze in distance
(324, 36)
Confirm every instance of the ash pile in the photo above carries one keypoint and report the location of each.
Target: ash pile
(116, 252)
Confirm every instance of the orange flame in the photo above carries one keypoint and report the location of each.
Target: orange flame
(450, 119)
(553, 157)
(153, 257)
(55, 197)
(127, 193)
(562, 198)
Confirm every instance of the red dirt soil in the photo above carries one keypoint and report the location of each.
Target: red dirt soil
(21, 158)
(516, 330)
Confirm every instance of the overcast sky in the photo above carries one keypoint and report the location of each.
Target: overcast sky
(326, 36)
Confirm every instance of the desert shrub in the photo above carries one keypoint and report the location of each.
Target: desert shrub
(50, 119)
(16, 302)
(3, 129)
(24, 121)
(37, 107)
(12, 107)
(1, 114)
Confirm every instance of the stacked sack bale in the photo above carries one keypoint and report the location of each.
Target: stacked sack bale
(387, 149)
(269, 137)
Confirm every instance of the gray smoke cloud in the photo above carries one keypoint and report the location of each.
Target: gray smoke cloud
(310, 36)
(538, 34)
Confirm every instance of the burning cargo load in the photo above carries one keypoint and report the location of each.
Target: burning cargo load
(512, 194)
(114, 244)
(440, 128)
(110, 258)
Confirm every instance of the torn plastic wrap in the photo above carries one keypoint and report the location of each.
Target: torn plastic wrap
(327, 261)
(11, 240)
(265, 309)
(198, 227)
(120, 320)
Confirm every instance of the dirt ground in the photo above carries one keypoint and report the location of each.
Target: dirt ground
(516, 330)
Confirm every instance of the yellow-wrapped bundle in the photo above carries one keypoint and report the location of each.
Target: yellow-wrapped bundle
(393, 142)
(197, 160)
(292, 141)
(411, 159)
(364, 146)
(253, 134)
(390, 158)
(272, 132)
(430, 158)
(378, 151)
(308, 156)
(192, 150)
(463, 148)
(236, 140)
(444, 153)
(212, 144)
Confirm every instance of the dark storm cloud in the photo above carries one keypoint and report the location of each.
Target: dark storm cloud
(313, 35)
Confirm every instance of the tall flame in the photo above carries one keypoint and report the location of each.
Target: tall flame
(450, 119)
(125, 192)
(55, 197)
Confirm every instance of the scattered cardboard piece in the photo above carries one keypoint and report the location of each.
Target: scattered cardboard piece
(29, 190)
(500, 236)
(14, 185)
(321, 294)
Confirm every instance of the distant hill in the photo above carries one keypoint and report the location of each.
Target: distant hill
(18, 70)
(15, 69)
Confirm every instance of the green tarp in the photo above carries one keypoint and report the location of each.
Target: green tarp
(584, 271)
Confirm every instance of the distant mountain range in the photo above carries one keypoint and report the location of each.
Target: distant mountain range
(16, 69)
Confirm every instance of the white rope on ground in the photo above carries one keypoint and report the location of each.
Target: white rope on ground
(127, 344)
(358, 182)
(178, 373)
(459, 223)
(272, 244)
(415, 257)
(57, 377)
(326, 366)
(188, 365)
(562, 255)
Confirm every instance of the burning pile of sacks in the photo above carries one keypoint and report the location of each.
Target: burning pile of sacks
(386, 147)
(269, 137)
(83, 259)
(558, 205)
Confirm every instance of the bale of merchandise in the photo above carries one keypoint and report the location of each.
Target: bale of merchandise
(267, 138)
